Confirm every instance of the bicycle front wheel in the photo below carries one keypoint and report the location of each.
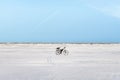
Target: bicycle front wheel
(65, 52)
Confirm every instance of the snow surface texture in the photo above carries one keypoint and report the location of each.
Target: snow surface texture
(39, 62)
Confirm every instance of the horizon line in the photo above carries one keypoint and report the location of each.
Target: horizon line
(59, 42)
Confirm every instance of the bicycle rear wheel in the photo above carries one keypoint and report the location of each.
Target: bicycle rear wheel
(57, 52)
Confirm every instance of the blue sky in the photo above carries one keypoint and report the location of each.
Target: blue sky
(60, 21)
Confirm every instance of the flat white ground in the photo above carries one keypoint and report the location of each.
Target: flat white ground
(39, 62)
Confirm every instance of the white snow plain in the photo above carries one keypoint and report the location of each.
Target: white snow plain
(39, 62)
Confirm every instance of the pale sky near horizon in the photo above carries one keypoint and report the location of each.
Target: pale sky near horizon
(60, 21)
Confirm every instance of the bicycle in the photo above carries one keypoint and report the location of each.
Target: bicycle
(60, 51)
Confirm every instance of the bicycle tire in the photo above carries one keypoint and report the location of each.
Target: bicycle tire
(57, 53)
(65, 52)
